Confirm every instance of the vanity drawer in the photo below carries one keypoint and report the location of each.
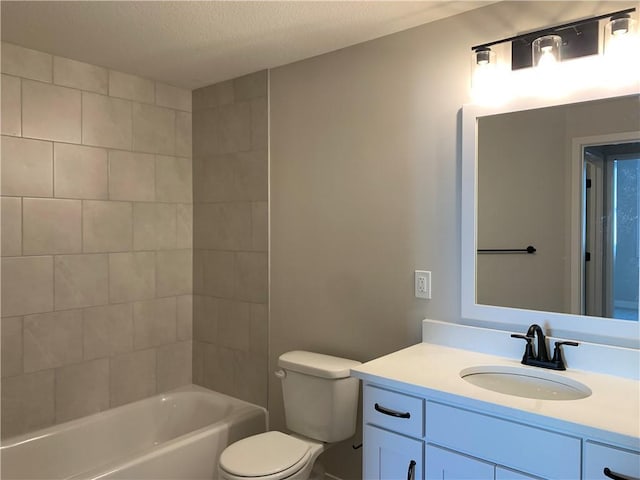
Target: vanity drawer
(597, 457)
(529, 449)
(394, 411)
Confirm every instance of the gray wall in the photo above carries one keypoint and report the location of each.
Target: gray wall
(365, 167)
(96, 239)
(230, 237)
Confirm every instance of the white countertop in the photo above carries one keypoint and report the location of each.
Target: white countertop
(610, 414)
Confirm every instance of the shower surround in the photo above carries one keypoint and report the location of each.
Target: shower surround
(96, 239)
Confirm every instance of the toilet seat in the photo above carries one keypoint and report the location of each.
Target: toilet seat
(267, 456)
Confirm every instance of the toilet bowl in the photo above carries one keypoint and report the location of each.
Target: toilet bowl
(269, 456)
(320, 405)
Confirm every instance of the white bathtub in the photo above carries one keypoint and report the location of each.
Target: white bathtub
(176, 435)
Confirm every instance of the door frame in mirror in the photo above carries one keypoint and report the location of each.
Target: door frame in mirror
(594, 329)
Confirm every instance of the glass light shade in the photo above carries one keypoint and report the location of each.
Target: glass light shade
(486, 77)
(546, 51)
(621, 38)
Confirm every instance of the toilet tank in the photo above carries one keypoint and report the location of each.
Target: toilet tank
(320, 396)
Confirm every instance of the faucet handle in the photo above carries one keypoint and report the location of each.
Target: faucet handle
(528, 349)
(557, 356)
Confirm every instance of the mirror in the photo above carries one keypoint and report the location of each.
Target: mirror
(550, 215)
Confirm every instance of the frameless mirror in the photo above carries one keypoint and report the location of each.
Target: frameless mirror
(551, 196)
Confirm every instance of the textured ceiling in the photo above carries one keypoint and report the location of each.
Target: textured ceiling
(192, 44)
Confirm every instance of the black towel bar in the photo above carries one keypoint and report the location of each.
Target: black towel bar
(529, 249)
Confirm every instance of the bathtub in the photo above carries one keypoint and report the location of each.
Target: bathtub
(176, 435)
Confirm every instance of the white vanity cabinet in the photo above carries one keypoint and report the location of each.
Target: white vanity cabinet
(452, 442)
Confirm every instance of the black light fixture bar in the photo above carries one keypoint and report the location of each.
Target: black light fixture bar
(552, 30)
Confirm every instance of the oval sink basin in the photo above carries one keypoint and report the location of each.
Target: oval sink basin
(525, 382)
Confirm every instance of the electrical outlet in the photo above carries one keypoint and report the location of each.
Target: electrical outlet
(422, 284)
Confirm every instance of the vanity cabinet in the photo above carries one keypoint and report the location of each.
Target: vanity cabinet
(452, 442)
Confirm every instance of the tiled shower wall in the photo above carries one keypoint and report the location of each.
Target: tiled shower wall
(96, 238)
(230, 129)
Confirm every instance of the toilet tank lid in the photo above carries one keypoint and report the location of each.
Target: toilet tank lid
(317, 364)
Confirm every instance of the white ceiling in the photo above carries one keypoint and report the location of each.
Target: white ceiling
(196, 43)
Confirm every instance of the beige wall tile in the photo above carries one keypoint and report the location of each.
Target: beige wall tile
(23, 62)
(154, 129)
(154, 226)
(51, 225)
(106, 122)
(174, 272)
(107, 226)
(27, 285)
(131, 87)
(11, 106)
(223, 226)
(80, 75)
(184, 225)
(51, 112)
(250, 86)
(108, 330)
(259, 337)
(252, 175)
(132, 276)
(144, 226)
(198, 362)
(11, 336)
(131, 176)
(252, 277)
(173, 97)
(205, 319)
(80, 172)
(11, 224)
(183, 134)
(218, 179)
(27, 402)
(259, 124)
(52, 340)
(260, 226)
(81, 281)
(184, 317)
(27, 167)
(226, 129)
(198, 271)
(133, 376)
(82, 389)
(234, 324)
(213, 95)
(154, 322)
(219, 274)
(173, 179)
(174, 365)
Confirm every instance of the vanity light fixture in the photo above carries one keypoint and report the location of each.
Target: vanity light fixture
(561, 42)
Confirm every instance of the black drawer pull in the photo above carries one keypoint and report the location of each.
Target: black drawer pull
(412, 470)
(615, 476)
(391, 413)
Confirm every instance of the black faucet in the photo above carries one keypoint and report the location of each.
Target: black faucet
(541, 356)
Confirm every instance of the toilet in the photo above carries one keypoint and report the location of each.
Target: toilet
(320, 404)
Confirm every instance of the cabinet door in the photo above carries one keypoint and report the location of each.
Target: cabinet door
(445, 464)
(623, 463)
(390, 456)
